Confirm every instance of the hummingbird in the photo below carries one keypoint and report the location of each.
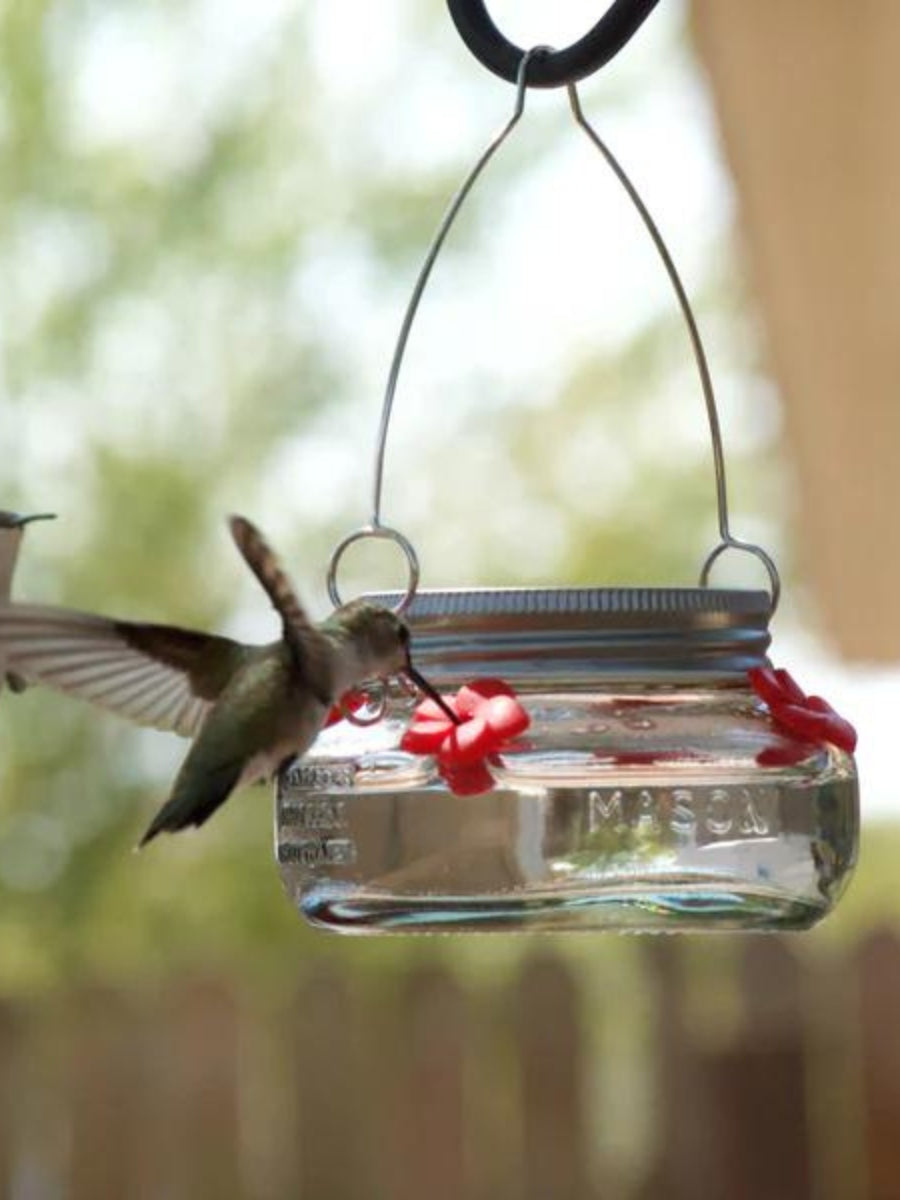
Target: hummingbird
(249, 709)
(12, 530)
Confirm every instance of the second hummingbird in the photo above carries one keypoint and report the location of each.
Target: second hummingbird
(249, 709)
(12, 530)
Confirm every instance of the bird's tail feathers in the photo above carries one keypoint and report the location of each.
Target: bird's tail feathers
(194, 800)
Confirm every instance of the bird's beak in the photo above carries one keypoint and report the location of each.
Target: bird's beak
(424, 686)
(36, 517)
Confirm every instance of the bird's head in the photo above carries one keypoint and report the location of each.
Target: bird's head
(380, 641)
(11, 520)
(377, 636)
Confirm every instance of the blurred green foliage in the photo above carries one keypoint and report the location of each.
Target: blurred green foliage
(153, 362)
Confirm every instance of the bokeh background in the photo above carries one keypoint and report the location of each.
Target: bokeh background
(211, 216)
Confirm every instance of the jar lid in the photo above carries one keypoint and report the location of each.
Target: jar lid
(622, 633)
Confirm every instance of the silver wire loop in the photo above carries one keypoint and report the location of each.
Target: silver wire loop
(732, 543)
(375, 688)
(379, 533)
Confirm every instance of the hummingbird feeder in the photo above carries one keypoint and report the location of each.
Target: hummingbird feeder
(612, 758)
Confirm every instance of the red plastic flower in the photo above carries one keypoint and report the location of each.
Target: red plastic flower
(490, 715)
(807, 717)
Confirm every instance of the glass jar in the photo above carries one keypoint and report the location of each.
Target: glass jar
(652, 791)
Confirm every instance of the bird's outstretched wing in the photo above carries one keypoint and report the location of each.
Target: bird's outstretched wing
(309, 645)
(156, 675)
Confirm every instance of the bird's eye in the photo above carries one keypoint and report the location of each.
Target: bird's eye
(403, 635)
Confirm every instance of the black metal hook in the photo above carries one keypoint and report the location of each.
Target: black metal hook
(550, 68)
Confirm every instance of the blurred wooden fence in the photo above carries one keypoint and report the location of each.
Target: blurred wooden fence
(787, 1087)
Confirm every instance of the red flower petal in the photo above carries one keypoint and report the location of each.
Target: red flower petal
(505, 716)
(430, 710)
(793, 692)
(471, 696)
(816, 726)
(466, 743)
(842, 734)
(425, 737)
(810, 717)
(787, 755)
(468, 781)
(766, 684)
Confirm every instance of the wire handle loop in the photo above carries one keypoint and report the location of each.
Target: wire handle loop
(552, 68)
(375, 529)
(733, 543)
(381, 533)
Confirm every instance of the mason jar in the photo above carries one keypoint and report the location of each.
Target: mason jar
(651, 792)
